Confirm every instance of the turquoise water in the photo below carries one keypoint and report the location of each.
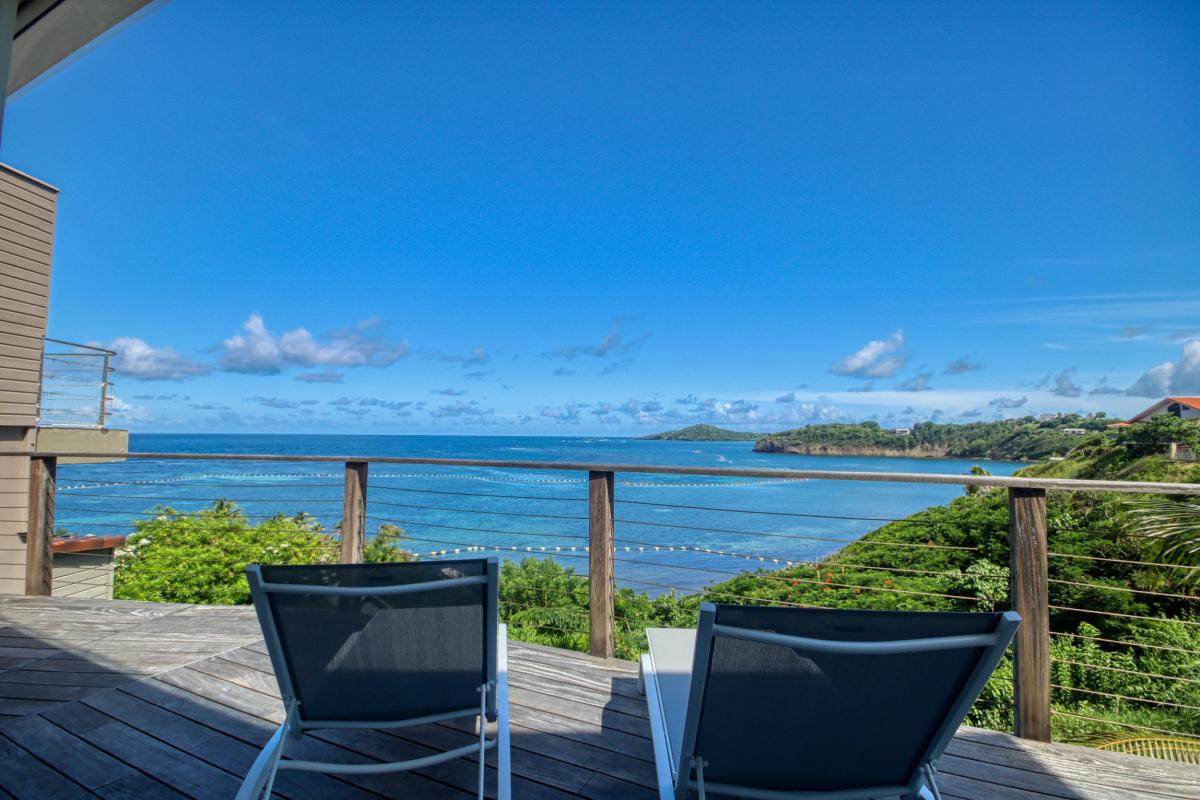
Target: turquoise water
(518, 513)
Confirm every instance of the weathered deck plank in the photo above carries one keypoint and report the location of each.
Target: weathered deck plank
(137, 700)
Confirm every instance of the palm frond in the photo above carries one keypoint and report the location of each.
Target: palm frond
(1174, 527)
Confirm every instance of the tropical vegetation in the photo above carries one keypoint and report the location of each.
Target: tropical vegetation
(1023, 439)
(201, 556)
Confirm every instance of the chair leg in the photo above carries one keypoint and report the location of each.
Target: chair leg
(503, 757)
(261, 778)
(928, 789)
(483, 703)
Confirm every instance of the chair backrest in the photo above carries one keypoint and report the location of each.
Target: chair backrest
(380, 642)
(826, 700)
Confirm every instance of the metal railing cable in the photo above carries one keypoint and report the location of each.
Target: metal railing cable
(775, 513)
(207, 499)
(419, 524)
(1123, 615)
(1111, 588)
(151, 516)
(1124, 697)
(700, 529)
(658, 585)
(479, 494)
(478, 511)
(1126, 561)
(1115, 723)
(783, 560)
(1106, 668)
(1127, 643)
(833, 584)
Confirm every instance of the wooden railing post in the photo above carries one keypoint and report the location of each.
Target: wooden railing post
(39, 537)
(601, 573)
(354, 512)
(1029, 590)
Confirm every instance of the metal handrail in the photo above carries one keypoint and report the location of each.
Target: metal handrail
(79, 345)
(1060, 484)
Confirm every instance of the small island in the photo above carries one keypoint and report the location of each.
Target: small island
(705, 433)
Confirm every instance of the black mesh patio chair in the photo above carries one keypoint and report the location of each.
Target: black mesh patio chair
(382, 646)
(814, 704)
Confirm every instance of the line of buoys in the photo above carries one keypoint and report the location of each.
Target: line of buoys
(624, 548)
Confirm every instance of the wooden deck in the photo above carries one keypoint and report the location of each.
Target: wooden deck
(140, 700)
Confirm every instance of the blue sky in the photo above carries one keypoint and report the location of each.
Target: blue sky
(552, 218)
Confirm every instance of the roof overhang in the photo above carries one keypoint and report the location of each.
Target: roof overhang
(49, 31)
(1162, 405)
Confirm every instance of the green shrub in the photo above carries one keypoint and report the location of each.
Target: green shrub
(201, 556)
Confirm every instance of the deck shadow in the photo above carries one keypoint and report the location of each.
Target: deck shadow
(191, 723)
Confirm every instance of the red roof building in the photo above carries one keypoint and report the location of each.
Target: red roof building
(1183, 407)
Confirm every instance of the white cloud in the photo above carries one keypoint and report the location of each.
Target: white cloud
(806, 413)
(390, 405)
(567, 413)
(127, 412)
(330, 376)
(1064, 386)
(1132, 331)
(880, 358)
(274, 402)
(461, 409)
(734, 410)
(614, 344)
(1180, 377)
(476, 358)
(137, 359)
(917, 383)
(961, 365)
(257, 351)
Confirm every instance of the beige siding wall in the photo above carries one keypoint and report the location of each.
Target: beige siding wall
(14, 507)
(83, 574)
(27, 209)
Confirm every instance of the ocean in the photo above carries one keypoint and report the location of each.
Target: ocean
(448, 512)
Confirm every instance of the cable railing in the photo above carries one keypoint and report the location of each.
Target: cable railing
(75, 385)
(594, 554)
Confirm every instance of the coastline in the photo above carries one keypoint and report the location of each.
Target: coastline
(874, 452)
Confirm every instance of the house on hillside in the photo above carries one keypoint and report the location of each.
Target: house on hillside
(1182, 407)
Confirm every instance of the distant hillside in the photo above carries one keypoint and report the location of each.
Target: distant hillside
(1025, 439)
(705, 433)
